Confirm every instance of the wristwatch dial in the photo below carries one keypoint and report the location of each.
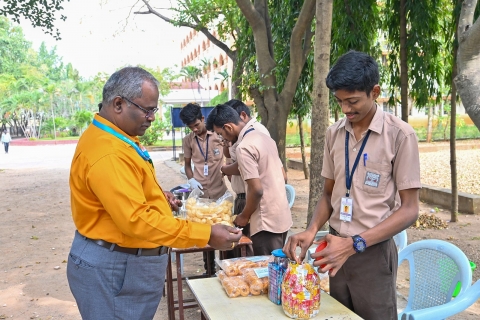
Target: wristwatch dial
(359, 244)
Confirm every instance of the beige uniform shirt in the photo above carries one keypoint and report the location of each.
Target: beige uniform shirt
(237, 183)
(392, 164)
(213, 184)
(257, 157)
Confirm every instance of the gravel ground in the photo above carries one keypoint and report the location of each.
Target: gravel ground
(435, 169)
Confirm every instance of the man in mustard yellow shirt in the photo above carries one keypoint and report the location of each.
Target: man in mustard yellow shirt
(117, 262)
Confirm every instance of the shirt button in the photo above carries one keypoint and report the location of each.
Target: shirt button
(354, 149)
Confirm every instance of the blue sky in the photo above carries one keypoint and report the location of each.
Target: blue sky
(101, 36)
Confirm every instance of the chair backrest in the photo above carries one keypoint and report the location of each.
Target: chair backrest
(436, 267)
(400, 240)
(290, 194)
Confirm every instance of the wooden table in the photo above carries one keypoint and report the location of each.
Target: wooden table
(180, 304)
(216, 304)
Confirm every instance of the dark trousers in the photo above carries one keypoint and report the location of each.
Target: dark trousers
(264, 242)
(5, 144)
(366, 283)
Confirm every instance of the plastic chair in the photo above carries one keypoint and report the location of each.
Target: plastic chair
(290, 195)
(400, 240)
(435, 268)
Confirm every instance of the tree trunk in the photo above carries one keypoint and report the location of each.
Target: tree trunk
(430, 124)
(274, 107)
(403, 61)
(453, 152)
(453, 133)
(320, 104)
(302, 147)
(337, 116)
(467, 81)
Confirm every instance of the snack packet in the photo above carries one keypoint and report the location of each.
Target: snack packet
(208, 211)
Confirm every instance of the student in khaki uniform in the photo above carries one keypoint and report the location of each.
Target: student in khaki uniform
(266, 207)
(370, 158)
(205, 149)
(230, 169)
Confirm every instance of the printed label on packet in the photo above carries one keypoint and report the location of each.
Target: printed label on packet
(261, 272)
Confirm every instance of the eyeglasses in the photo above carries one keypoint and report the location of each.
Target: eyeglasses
(148, 113)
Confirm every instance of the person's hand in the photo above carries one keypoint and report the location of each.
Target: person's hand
(303, 240)
(337, 251)
(194, 184)
(172, 200)
(240, 221)
(224, 237)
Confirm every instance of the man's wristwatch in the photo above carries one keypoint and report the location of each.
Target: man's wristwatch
(359, 244)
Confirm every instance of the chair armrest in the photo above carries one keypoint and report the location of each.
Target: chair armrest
(457, 305)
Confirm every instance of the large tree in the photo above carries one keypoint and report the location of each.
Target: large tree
(40, 13)
(467, 80)
(274, 105)
(320, 99)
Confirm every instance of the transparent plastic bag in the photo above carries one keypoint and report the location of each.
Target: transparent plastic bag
(209, 211)
(236, 266)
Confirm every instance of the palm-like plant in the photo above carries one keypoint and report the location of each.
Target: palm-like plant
(192, 74)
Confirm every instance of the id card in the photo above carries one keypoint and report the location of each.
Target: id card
(346, 209)
(205, 170)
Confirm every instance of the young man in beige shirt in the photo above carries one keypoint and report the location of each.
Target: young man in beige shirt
(266, 207)
(370, 158)
(205, 149)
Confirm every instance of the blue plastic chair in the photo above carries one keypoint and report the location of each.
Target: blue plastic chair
(400, 240)
(435, 268)
(290, 195)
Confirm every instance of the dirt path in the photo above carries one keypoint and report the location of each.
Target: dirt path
(36, 231)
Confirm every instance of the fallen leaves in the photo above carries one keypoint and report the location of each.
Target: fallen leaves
(429, 221)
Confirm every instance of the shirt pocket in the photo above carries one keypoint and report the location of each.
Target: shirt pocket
(217, 150)
(373, 177)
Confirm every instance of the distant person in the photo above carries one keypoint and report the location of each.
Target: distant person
(205, 149)
(117, 262)
(266, 208)
(370, 157)
(6, 139)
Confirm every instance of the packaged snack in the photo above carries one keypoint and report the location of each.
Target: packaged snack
(235, 267)
(258, 284)
(301, 291)
(208, 211)
(235, 286)
(276, 270)
(324, 282)
(252, 271)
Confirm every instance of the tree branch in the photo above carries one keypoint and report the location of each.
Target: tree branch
(468, 31)
(297, 52)
(259, 103)
(256, 21)
(230, 53)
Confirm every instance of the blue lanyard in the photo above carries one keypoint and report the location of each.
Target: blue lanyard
(348, 176)
(205, 155)
(251, 129)
(143, 153)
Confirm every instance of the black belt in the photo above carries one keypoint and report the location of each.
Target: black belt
(135, 251)
(334, 232)
(241, 195)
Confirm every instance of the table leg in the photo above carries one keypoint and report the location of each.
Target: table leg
(243, 251)
(170, 300)
(202, 316)
(179, 286)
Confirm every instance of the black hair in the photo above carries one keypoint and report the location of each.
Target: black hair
(190, 113)
(354, 71)
(239, 106)
(221, 115)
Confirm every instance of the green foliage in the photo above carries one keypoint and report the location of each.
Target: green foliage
(40, 13)
(155, 132)
(427, 22)
(221, 98)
